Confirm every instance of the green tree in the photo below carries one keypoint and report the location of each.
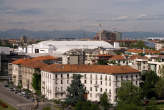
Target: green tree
(20, 84)
(104, 102)
(36, 82)
(130, 106)
(152, 105)
(139, 44)
(129, 93)
(86, 105)
(76, 91)
(162, 71)
(102, 62)
(47, 108)
(149, 79)
(159, 88)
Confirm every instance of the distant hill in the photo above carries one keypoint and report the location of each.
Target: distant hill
(17, 33)
(141, 35)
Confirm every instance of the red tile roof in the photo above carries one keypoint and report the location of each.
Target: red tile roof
(161, 49)
(20, 61)
(118, 57)
(90, 69)
(104, 55)
(34, 62)
(41, 58)
(147, 51)
(137, 57)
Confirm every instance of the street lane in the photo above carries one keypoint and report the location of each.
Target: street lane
(10, 97)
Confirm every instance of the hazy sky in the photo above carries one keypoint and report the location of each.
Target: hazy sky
(121, 15)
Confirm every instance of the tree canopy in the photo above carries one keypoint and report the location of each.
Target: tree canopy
(149, 79)
(36, 82)
(104, 101)
(129, 93)
(76, 91)
(86, 105)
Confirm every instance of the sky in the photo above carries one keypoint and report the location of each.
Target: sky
(114, 15)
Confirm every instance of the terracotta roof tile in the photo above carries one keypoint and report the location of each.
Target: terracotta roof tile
(137, 57)
(118, 57)
(20, 61)
(34, 62)
(147, 51)
(104, 55)
(41, 58)
(90, 69)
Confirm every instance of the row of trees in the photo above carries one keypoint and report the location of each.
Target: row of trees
(131, 97)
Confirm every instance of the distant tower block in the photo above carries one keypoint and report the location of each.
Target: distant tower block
(23, 39)
(107, 35)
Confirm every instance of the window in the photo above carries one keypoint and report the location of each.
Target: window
(91, 81)
(90, 88)
(67, 81)
(105, 77)
(100, 89)
(101, 82)
(131, 77)
(126, 77)
(96, 77)
(67, 76)
(96, 89)
(109, 91)
(85, 81)
(105, 90)
(56, 76)
(116, 78)
(136, 83)
(61, 75)
(90, 94)
(121, 77)
(101, 77)
(109, 78)
(109, 83)
(96, 82)
(136, 76)
(91, 76)
(61, 81)
(85, 76)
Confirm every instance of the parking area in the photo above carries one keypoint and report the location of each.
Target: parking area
(14, 96)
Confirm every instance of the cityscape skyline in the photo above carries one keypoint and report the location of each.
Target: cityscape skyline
(135, 15)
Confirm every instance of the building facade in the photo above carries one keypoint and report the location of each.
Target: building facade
(97, 79)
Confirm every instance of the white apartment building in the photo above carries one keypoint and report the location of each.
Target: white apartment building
(96, 78)
(156, 67)
(159, 46)
(16, 74)
(138, 62)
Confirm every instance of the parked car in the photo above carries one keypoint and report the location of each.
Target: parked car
(6, 85)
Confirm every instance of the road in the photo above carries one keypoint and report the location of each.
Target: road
(11, 98)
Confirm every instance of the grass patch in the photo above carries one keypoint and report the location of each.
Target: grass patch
(8, 108)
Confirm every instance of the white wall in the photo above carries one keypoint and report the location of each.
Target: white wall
(53, 84)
